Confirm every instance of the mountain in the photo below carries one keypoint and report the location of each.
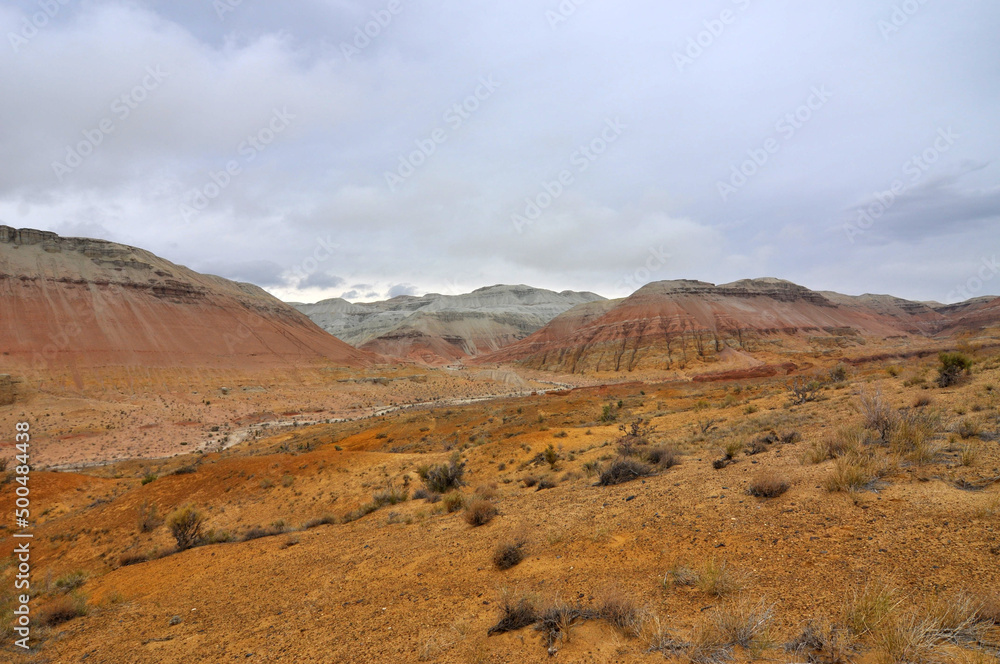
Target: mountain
(436, 328)
(669, 324)
(86, 302)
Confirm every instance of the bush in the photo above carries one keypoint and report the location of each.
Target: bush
(663, 456)
(621, 612)
(768, 485)
(952, 366)
(514, 614)
(132, 559)
(510, 553)
(849, 474)
(878, 415)
(326, 519)
(838, 374)
(71, 581)
(529, 481)
(622, 470)
(148, 477)
(389, 496)
(480, 512)
(453, 502)
(968, 429)
(64, 609)
(802, 390)
(719, 579)
(545, 483)
(148, 518)
(445, 477)
(186, 525)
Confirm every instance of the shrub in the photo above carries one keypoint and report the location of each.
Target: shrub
(480, 512)
(185, 525)
(952, 366)
(821, 641)
(445, 477)
(682, 575)
(453, 502)
(732, 448)
(509, 553)
(389, 496)
(622, 470)
(148, 517)
(609, 413)
(529, 481)
(968, 429)
(149, 477)
(802, 390)
(326, 519)
(71, 581)
(551, 456)
(849, 474)
(768, 485)
(663, 456)
(514, 614)
(870, 606)
(922, 401)
(186, 470)
(838, 374)
(719, 579)
(620, 611)
(64, 609)
(878, 415)
(545, 483)
(132, 559)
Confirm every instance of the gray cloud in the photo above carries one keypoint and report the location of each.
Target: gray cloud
(249, 141)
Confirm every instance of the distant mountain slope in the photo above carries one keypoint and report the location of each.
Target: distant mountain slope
(438, 328)
(667, 324)
(92, 302)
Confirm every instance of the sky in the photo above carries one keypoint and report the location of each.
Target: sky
(338, 148)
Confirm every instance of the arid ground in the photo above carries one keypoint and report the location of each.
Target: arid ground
(875, 538)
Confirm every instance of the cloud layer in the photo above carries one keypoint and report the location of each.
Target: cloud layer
(379, 148)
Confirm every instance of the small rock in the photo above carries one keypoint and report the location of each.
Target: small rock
(175, 620)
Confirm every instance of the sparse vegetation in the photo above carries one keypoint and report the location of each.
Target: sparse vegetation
(768, 485)
(445, 477)
(63, 609)
(186, 526)
(480, 512)
(952, 366)
(622, 470)
(509, 553)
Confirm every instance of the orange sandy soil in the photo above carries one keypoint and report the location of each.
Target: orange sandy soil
(411, 582)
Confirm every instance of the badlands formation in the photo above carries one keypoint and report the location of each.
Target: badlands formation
(694, 473)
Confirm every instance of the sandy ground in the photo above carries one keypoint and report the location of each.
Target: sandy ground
(412, 582)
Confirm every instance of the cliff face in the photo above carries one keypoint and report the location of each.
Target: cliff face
(665, 325)
(91, 302)
(437, 329)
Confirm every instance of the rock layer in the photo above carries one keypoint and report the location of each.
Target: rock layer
(438, 328)
(85, 302)
(668, 324)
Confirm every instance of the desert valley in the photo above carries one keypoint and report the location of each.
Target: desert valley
(751, 471)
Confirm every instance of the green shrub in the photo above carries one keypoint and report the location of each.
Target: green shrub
(445, 477)
(186, 526)
(952, 366)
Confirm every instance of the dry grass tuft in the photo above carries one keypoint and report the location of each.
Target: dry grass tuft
(622, 470)
(515, 613)
(480, 512)
(63, 609)
(509, 553)
(768, 485)
(621, 611)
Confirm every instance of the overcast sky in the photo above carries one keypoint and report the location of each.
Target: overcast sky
(848, 145)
